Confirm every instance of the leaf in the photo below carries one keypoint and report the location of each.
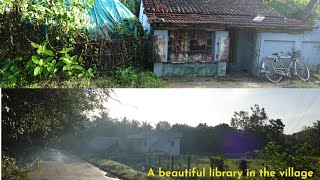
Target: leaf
(35, 59)
(69, 49)
(37, 71)
(48, 59)
(67, 61)
(74, 59)
(12, 68)
(80, 75)
(19, 58)
(45, 43)
(66, 67)
(35, 45)
(50, 68)
(41, 62)
(6, 66)
(77, 67)
(48, 52)
(29, 63)
(40, 50)
(66, 50)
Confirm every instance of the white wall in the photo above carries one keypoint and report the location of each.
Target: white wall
(308, 42)
(143, 18)
(158, 144)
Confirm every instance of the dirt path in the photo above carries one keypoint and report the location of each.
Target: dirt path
(62, 166)
(235, 81)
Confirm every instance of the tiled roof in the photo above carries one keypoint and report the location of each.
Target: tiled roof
(222, 12)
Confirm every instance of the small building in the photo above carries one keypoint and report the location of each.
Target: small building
(101, 143)
(163, 143)
(214, 37)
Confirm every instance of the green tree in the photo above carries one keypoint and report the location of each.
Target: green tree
(278, 158)
(257, 123)
(243, 121)
(308, 10)
(163, 126)
(41, 116)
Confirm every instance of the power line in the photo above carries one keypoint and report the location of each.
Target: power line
(312, 102)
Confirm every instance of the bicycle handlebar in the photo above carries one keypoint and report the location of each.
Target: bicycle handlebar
(291, 53)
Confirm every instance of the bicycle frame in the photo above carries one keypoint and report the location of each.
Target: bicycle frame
(285, 71)
(273, 65)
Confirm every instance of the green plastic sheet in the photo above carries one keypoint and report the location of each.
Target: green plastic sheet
(106, 14)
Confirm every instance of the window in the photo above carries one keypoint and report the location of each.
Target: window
(190, 46)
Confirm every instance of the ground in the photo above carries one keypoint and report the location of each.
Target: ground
(61, 165)
(236, 80)
(139, 162)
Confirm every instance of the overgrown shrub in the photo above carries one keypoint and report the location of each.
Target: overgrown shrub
(10, 170)
(122, 171)
(317, 77)
(217, 162)
(131, 78)
(278, 158)
(44, 64)
(243, 165)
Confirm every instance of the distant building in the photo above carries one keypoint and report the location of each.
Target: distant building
(101, 143)
(164, 143)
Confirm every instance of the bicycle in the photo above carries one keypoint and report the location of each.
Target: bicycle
(274, 69)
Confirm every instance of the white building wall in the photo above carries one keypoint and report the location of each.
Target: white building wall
(308, 43)
(144, 19)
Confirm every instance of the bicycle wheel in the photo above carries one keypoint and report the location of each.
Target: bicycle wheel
(272, 67)
(302, 70)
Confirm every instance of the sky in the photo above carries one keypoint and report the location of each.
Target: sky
(296, 107)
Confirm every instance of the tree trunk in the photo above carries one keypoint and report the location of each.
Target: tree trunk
(307, 11)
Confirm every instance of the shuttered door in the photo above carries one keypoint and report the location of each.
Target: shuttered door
(156, 49)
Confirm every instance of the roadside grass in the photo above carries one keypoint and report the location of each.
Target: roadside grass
(118, 163)
(142, 80)
(314, 82)
(136, 166)
(301, 84)
(122, 171)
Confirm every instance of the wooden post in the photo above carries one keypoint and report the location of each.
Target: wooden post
(172, 163)
(146, 160)
(150, 159)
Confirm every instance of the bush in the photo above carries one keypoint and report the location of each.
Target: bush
(243, 165)
(10, 170)
(150, 80)
(217, 162)
(44, 64)
(121, 171)
(279, 158)
(126, 77)
(131, 78)
(317, 77)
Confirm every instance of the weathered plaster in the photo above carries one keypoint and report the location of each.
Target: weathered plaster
(190, 69)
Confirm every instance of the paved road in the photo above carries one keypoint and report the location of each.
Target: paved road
(64, 166)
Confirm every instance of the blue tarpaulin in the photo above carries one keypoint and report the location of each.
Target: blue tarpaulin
(106, 14)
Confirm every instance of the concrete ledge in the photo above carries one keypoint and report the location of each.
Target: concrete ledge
(197, 69)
